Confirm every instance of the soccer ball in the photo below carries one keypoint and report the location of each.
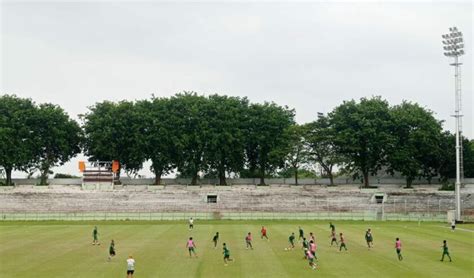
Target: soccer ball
(286, 249)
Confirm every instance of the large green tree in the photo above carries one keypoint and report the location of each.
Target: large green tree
(447, 157)
(57, 139)
(224, 151)
(160, 136)
(17, 143)
(321, 149)
(363, 135)
(417, 135)
(266, 143)
(188, 113)
(114, 131)
(297, 152)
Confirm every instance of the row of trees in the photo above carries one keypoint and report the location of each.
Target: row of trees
(35, 137)
(221, 136)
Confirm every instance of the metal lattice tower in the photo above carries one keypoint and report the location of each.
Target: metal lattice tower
(453, 45)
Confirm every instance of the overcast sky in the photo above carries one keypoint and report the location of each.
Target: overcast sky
(309, 56)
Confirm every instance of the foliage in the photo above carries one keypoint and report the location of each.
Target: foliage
(18, 147)
(187, 112)
(297, 151)
(266, 143)
(65, 176)
(321, 148)
(363, 135)
(114, 131)
(417, 135)
(57, 139)
(159, 134)
(224, 150)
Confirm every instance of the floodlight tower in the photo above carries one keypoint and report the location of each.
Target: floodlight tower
(453, 45)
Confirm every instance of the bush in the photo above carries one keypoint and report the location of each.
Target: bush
(447, 186)
(65, 176)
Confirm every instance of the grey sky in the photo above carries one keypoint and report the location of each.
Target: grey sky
(309, 56)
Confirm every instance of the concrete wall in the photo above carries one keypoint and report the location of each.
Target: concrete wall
(339, 181)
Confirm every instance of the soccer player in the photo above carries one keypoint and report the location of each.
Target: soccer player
(301, 233)
(398, 247)
(343, 242)
(333, 237)
(368, 238)
(332, 227)
(305, 247)
(312, 248)
(445, 251)
(263, 233)
(310, 258)
(226, 254)
(215, 239)
(453, 225)
(111, 250)
(291, 239)
(191, 247)
(191, 223)
(311, 237)
(130, 266)
(95, 236)
(248, 241)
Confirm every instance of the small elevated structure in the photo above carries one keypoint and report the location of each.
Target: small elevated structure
(98, 174)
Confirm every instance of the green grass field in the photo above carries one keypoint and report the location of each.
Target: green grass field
(64, 249)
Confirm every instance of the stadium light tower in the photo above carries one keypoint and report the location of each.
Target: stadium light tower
(453, 45)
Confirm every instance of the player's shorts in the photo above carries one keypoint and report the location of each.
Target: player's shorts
(226, 256)
(314, 253)
(311, 260)
(191, 249)
(399, 250)
(112, 253)
(191, 226)
(130, 271)
(95, 238)
(369, 239)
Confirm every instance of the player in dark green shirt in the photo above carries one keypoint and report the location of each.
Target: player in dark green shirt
(369, 239)
(445, 251)
(332, 227)
(215, 239)
(111, 250)
(305, 246)
(301, 233)
(291, 239)
(95, 235)
(226, 253)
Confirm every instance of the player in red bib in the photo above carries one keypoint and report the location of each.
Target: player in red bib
(263, 232)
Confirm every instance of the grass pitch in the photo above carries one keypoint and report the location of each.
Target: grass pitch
(64, 249)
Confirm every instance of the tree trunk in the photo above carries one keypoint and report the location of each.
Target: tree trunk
(366, 178)
(8, 172)
(222, 180)
(158, 174)
(44, 171)
(158, 170)
(194, 180)
(262, 175)
(409, 181)
(331, 179)
(296, 175)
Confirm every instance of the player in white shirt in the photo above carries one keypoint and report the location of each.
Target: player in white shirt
(130, 266)
(191, 223)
